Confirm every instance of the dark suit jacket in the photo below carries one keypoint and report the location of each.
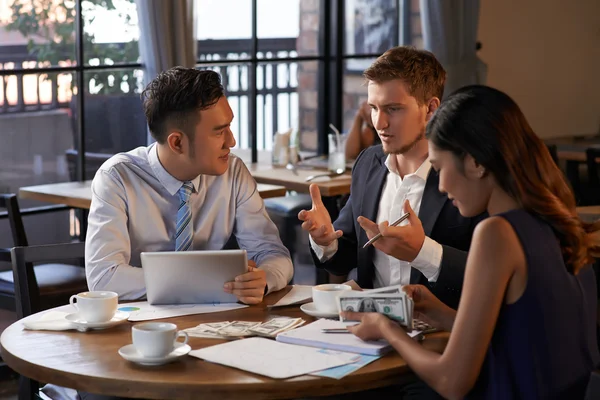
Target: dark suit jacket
(441, 222)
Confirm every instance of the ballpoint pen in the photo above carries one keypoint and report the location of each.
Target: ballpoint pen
(396, 222)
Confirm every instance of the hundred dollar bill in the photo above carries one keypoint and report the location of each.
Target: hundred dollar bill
(391, 305)
(276, 325)
(237, 328)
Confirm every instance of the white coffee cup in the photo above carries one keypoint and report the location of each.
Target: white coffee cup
(97, 306)
(156, 339)
(324, 296)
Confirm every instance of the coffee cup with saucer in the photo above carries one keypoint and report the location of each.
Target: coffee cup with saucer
(155, 343)
(324, 303)
(95, 310)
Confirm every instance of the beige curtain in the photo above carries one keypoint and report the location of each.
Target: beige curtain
(166, 35)
(450, 32)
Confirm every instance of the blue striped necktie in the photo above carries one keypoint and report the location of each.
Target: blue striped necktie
(184, 234)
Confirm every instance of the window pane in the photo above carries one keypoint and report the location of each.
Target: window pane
(35, 139)
(34, 92)
(277, 103)
(111, 32)
(288, 28)
(221, 33)
(114, 118)
(47, 24)
(355, 90)
(371, 26)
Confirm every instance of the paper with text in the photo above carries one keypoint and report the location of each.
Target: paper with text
(142, 311)
(298, 294)
(269, 358)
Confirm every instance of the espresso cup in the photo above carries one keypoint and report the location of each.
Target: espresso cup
(156, 339)
(95, 307)
(324, 296)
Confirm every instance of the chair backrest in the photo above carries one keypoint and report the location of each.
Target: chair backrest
(552, 148)
(27, 294)
(11, 204)
(93, 161)
(593, 167)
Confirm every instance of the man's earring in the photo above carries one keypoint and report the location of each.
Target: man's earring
(481, 173)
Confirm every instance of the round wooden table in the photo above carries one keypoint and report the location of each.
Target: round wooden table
(90, 362)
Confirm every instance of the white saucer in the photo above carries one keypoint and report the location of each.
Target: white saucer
(83, 325)
(310, 309)
(129, 353)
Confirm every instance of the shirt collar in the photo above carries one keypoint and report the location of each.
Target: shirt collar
(170, 183)
(421, 172)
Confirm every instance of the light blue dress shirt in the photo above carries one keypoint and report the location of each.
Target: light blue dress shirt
(134, 209)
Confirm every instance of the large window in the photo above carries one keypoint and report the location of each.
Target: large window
(268, 58)
(370, 28)
(71, 77)
(70, 81)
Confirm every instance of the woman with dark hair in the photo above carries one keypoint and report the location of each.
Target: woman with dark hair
(525, 325)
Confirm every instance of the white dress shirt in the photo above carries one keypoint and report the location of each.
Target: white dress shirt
(134, 209)
(389, 270)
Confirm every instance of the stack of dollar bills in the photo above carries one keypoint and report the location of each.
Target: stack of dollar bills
(240, 329)
(391, 301)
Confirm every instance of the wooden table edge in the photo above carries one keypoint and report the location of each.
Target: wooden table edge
(75, 202)
(302, 187)
(368, 377)
(285, 388)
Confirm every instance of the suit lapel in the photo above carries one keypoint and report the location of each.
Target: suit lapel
(373, 189)
(431, 205)
(375, 180)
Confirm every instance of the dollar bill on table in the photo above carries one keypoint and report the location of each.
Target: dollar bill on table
(394, 306)
(274, 326)
(238, 329)
(208, 330)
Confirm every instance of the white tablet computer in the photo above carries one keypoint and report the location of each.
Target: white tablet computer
(191, 277)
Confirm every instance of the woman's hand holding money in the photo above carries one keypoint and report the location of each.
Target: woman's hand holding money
(372, 326)
(429, 308)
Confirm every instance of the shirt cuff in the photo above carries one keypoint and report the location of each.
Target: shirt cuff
(279, 272)
(429, 259)
(323, 253)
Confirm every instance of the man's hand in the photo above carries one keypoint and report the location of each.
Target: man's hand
(401, 242)
(249, 288)
(317, 221)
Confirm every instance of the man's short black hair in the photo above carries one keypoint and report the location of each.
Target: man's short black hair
(172, 100)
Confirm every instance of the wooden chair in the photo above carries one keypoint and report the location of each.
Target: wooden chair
(28, 296)
(54, 283)
(591, 193)
(593, 388)
(552, 148)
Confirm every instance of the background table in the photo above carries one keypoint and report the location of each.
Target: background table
(589, 213)
(79, 194)
(329, 187)
(90, 362)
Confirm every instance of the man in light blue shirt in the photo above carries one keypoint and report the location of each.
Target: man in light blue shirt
(184, 192)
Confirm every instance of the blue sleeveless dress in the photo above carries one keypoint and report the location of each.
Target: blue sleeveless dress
(544, 345)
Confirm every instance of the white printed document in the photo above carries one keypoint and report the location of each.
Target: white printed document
(142, 311)
(273, 359)
(298, 294)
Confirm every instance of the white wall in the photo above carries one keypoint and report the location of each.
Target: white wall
(546, 55)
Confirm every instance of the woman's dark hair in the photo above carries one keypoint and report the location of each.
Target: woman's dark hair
(487, 124)
(172, 100)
